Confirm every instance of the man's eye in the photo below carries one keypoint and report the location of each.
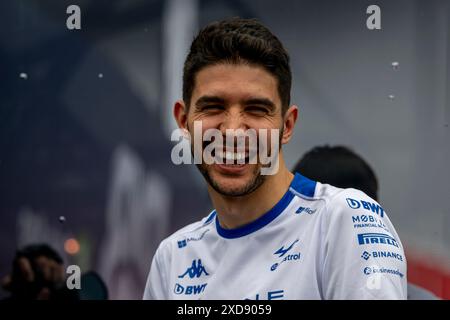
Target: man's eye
(213, 108)
(256, 110)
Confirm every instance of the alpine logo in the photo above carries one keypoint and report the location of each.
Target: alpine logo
(306, 210)
(281, 252)
(370, 206)
(195, 270)
(376, 238)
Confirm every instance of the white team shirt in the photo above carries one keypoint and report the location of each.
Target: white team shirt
(317, 242)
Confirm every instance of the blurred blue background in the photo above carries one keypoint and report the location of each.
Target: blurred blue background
(86, 117)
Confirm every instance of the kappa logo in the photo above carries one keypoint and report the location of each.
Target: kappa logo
(195, 270)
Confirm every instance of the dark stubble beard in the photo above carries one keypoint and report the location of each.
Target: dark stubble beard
(256, 181)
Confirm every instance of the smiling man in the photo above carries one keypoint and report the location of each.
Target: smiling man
(271, 236)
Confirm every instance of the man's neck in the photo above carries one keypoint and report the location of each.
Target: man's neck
(234, 212)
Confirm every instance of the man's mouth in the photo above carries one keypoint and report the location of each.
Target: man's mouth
(230, 157)
(233, 155)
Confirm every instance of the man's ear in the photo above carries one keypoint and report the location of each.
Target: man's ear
(180, 114)
(289, 119)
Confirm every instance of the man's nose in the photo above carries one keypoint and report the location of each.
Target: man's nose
(233, 119)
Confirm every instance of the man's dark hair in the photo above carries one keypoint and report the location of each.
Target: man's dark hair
(340, 167)
(237, 41)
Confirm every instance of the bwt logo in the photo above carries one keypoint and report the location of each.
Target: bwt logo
(188, 290)
(376, 238)
(374, 207)
(195, 270)
(305, 209)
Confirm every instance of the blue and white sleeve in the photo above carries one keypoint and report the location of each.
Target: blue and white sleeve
(363, 255)
(155, 288)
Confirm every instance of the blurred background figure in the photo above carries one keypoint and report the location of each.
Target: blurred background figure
(38, 274)
(343, 168)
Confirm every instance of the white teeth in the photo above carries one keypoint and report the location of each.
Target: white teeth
(230, 156)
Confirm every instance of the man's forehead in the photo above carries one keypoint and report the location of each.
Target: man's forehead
(236, 82)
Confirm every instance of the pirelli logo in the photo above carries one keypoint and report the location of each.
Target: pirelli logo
(376, 238)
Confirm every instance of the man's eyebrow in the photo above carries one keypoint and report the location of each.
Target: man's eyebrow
(204, 100)
(261, 101)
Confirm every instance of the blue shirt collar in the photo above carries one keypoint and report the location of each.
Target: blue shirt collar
(300, 184)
